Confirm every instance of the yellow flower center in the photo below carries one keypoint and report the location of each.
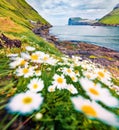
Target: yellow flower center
(23, 62)
(34, 57)
(35, 86)
(105, 70)
(73, 78)
(93, 91)
(60, 80)
(45, 58)
(89, 110)
(25, 70)
(51, 89)
(68, 70)
(95, 84)
(88, 76)
(27, 100)
(76, 71)
(101, 74)
(37, 71)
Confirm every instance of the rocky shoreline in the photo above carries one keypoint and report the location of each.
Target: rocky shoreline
(101, 55)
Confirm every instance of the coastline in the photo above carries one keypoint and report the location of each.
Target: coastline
(106, 57)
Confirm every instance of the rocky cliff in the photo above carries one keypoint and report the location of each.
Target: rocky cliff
(80, 21)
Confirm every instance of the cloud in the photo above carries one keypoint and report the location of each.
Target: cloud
(58, 11)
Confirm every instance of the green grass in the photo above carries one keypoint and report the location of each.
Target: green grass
(20, 12)
(112, 18)
(14, 22)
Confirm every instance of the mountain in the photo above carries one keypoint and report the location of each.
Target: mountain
(19, 11)
(111, 18)
(80, 21)
(18, 19)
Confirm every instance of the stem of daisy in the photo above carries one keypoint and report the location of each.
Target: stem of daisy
(24, 122)
(1, 107)
(7, 86)
(2, 101)
(7, 126)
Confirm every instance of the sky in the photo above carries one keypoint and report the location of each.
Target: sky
(57, 12)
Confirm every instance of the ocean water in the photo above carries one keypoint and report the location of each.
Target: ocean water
(105, 36)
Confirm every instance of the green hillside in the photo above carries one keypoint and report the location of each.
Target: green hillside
(15, 22)
(112, 18)
(19, 11)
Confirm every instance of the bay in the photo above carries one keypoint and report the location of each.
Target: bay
(105, 36)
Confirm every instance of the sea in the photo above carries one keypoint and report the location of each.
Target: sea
(105, 36)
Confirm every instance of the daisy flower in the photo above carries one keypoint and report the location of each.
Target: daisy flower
(74, 78)
(12, 56)
(26, 71)
(89, 74)
(68, 71)
(72, 89)
(94, 111)
(76, 58)
(35, 85)
(66, 61)
(18, 62)
(45, 58)
(104, 75)
(59, 81)
(51, 88)
(14, 64)
(48, 59)
(25, 103)
(52, 61)
(37, 72)
(25, 55)
(96, 92)
(30, 48)
(35, 57)
(77, 73)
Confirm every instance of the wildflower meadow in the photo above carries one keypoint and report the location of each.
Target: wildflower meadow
(58, 93)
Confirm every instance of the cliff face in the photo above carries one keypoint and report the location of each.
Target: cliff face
(112, 18)
(80, 21)
(74, 20)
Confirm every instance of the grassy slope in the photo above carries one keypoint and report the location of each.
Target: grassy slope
(14, 22)
(111, 18)
(19, 11)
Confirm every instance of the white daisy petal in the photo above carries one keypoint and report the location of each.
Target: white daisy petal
(51, 88)
(95, 111)
(25, 72)
(59, 81)
(25, 56)
(30, 48)
(35, 85)
(96, 92)
(25, 102)
(72, 89)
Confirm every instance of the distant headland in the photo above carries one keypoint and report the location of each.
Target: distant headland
(111, 19)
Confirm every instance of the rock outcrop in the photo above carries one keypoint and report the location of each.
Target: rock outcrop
(116, 7)
(80, 21)
(9, 43)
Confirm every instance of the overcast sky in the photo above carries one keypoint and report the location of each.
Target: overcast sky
(57, 12)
